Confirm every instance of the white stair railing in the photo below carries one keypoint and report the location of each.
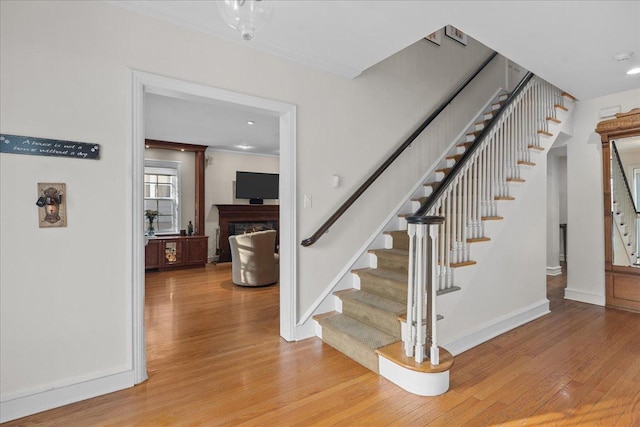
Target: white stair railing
(440, 231)
(422, 289)
(624, 209)
(469, 196)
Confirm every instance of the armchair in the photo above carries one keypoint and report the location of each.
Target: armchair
(253, 261)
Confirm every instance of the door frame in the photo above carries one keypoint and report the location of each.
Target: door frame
(142, 82)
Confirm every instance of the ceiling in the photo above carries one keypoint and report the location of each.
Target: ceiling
(568, 43)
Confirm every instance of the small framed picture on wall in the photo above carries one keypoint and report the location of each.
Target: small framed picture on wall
(456, 34)
(435, 37)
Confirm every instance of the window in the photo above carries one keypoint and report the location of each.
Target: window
(161, 184)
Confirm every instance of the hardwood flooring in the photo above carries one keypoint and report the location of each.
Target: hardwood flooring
(215, 359)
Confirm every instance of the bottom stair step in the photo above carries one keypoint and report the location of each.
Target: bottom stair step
(354, 338)
(395, 353)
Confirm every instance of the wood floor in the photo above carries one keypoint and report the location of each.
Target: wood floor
(215, 359)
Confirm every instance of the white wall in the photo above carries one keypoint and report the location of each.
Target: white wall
(65, 73)
(187, 191)
(585, 241)
(220, 176)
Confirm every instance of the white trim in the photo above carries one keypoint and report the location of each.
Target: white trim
(581, 296)
(136, 221)
(420, 383)
(21, 405)
(497, 327)
(554, 271)
(143, 82)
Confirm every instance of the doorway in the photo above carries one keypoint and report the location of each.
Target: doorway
(150, 83)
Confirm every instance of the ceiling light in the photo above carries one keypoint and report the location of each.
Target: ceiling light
(246, 16)
(634, 71)
(251, 122)
(243, 146)
(623, 56)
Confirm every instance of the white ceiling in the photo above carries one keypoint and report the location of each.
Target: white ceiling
(220, 125)
(568, 43)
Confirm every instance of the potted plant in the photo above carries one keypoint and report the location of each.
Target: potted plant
(151, 215)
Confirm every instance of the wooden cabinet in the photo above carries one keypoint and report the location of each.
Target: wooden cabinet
(152, 254)
(176, 252)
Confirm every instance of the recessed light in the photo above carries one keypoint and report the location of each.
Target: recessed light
(243, 146)
(251, 122)
(634, 71)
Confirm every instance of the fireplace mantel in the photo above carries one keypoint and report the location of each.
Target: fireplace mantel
(229, 214)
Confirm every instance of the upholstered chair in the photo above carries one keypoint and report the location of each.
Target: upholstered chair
(253, 261)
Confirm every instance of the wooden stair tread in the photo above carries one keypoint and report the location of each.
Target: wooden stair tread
(553, 119)
(462, 264)
(444, 170)
(566, 95)
(491, 218)
(504, 198)
(515, 180)
(545, 133)
(523, 162)
(478, 239)
(536, 147)
(455, 157)
(395, 353)
(561, 107)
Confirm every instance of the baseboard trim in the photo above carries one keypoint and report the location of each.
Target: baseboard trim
(497, 327)
(20, 406)
(554, 271)
(582, 296)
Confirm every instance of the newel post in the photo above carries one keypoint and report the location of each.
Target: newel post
(421, 289)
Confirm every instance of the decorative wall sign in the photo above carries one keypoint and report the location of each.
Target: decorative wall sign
(435, 37)
(17, 144)
(52, 206)
(456, 34)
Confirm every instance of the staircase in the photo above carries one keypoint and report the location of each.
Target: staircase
(625, 214)
(369, 322)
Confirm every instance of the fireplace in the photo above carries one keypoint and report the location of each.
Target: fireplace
(239, 219)
(251, 227)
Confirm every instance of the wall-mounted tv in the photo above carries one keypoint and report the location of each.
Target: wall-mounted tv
(256, 186)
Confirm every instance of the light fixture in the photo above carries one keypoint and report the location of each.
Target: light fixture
(246, 16)
(243, 146)
(623, 56)
(634, 71)
(251, 122)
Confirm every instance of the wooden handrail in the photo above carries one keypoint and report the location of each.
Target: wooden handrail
(347, 204)
(433, 197)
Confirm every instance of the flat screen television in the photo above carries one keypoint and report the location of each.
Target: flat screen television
(256, 186)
